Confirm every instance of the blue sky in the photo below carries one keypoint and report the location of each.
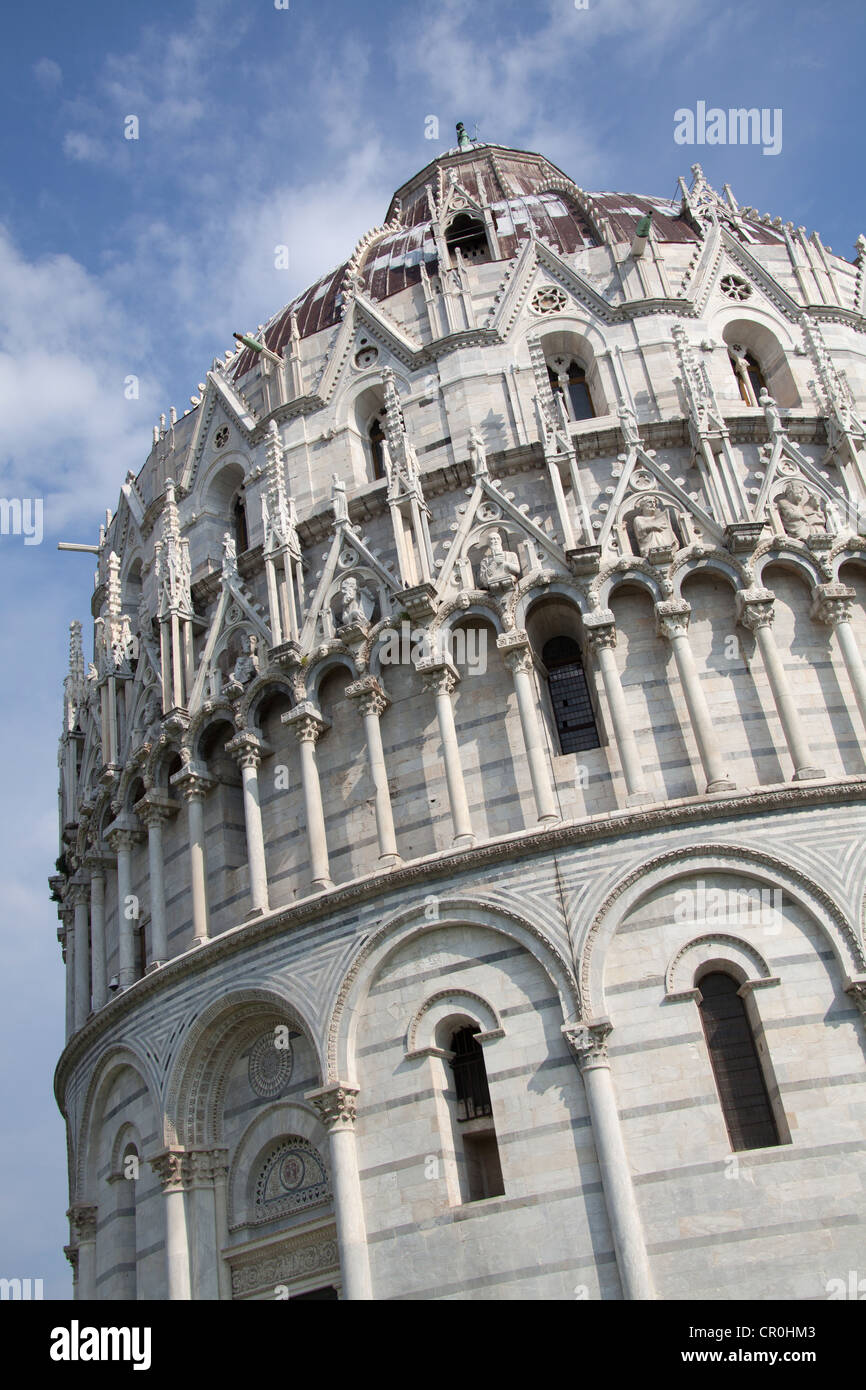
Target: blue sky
(261, 127)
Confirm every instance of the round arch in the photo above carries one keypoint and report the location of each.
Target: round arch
(118, 1058)
(414, 921)
(199, 1072)
(643, 878)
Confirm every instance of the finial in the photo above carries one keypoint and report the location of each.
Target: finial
(463, 141)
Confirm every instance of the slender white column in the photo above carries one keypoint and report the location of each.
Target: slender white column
(589, 1042)
(600, 629)
(832, 605)
(154, 809)
(336, 1105)
(122, 835)
(65, 933)
(82, 1229)
(203, 1242)
(171, 1165)
(309, 725)
(517, 654)
(756, 611)
(672, 618)
(441, 678)
(249, 751)
(372, 703)
(99, 972)
(80, 897)
(194, 787)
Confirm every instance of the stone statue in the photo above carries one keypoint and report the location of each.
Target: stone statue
(771, 413)
(499, 567)
(801, 512)
(230, 555)
(463, 141)
(339, 501)
(652, 527)
(477, 453)
(352, 613)
(247, 665)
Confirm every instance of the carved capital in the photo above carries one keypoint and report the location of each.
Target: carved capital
(370, 695)
(831, 603)
(192, 782)
(755, 608)
(600, 629)
(123, 834)
(588, 1042)
(71, 1253)
(247, 750)
(672, 618)
(205, 1166)
(440, 677)
(516, 651)
(172, 1168)
(335, 1105)
(856, 988)
(307, 722)
(78, 892)
(82, 1222)
(155, 807)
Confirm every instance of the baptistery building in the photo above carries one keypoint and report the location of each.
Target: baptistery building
(462, 869)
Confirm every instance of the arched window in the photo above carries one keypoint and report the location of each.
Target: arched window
(569, 379)
(569, 695)
(482, 1171)
(736, 1066)
(467, 233)
(239, 524)
(376, 437)
(747, 370)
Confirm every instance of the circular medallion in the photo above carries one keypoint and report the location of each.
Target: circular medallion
(735, 287)
(549, 299)
(270, 1066)
(221, 438)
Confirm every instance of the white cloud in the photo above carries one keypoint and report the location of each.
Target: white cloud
(66, 346)
(48, 74)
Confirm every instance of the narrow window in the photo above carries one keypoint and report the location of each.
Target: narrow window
(376, 437)
(468, 235)
(570, 381)
(482, 1171)
(736, 1067)
(239, 522)
(569, 695)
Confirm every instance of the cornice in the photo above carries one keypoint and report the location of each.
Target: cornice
(608, 825)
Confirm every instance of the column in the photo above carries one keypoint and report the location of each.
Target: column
(600, 629)
(154, 809)
(248, 751)
(220, 1170)
(80, 897)
(672, 620)
(205, 1239)
(194, 787)
(64, 935)
(82, 1231)
(309, 726)
(441, 678)
(171, 1167)
(99, 973)
(122, 835)
(372, 703)
(589, 1043)
(336, 1105)
(517, 655)
(756, 611)
(832, 605)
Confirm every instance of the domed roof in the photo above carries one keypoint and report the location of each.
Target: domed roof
(526, 195)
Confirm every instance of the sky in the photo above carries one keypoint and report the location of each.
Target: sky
(261, 127)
